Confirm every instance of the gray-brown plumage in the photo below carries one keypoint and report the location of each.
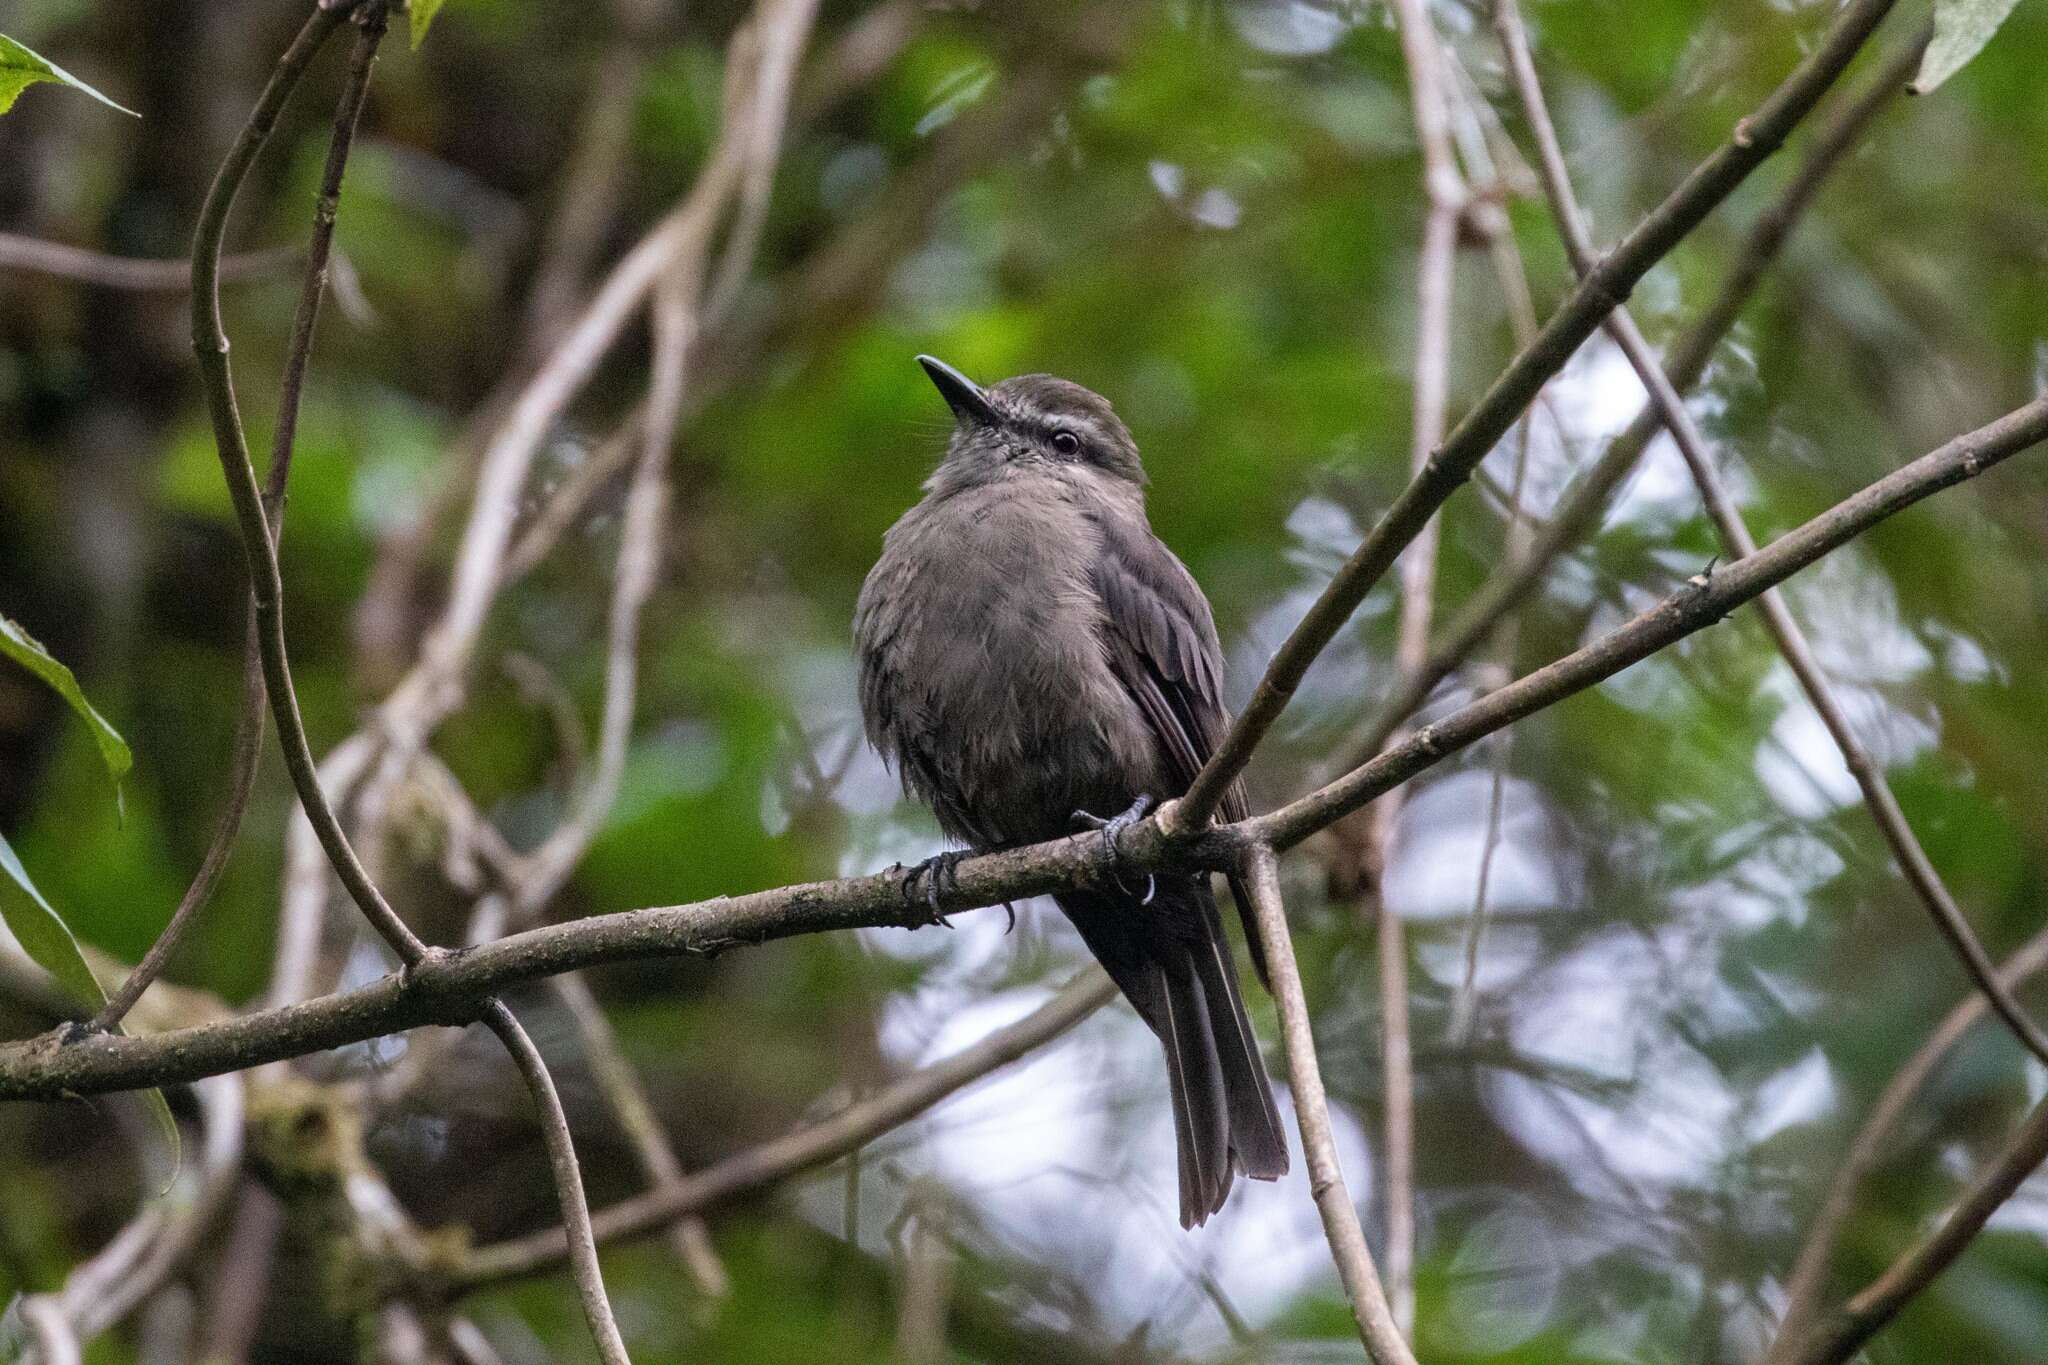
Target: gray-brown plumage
(1029, 649)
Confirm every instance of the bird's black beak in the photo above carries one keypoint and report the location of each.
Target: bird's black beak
(962, 395)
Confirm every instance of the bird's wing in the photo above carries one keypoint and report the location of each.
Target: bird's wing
(1161, 643)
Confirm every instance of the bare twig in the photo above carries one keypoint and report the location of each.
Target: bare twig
(1477, 139)
(249, 720)
(1369, 1308)
(1606, 286)
(605, 461)
(452, 989)
(210, 345)
(172, 276)
(1809, 1272)
(927, 1288)
(227, 829)
(1735, 538)
(627, 1099)
(1841, 1334)
(1582, 504)
(810, 1147)
(554, 1131)
(260, 548)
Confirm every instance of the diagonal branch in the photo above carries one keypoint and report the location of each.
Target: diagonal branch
(1605, 287)
(210, 345)
(248, 746)
(1809, 1271)
(808, 1148)
(1843, 1333)
(1582, 505)
(554, 1131)
(1737, 541)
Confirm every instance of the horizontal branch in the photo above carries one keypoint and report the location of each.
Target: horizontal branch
(170, 276)
(453, 988)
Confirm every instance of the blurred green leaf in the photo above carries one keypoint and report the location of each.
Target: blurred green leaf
(21, 68)
(423, 12)
(45, 937)
(1961, 28)
(18, 645)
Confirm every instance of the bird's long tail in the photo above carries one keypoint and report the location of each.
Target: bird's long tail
(1172, 961)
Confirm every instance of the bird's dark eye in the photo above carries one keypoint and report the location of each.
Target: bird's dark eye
(1066, 443)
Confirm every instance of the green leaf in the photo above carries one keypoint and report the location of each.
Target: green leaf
(1961, 28)
(47, 939)
(21, 68)
(18, 645)
(423, 12)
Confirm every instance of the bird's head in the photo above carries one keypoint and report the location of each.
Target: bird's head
(1034, 422)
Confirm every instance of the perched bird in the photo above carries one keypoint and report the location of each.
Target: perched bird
(1031, 655)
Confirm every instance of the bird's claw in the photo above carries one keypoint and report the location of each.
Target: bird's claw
(1112, 830)
(940, 873)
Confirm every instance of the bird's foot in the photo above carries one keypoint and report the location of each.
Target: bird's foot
(1112, 830)
(939, 873)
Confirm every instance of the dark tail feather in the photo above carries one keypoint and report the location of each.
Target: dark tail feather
(1255, 1130)
(1201, 1106)
(1172, 961)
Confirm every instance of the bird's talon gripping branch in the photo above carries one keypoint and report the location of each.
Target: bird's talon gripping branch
(1112, 830)
(939, 873)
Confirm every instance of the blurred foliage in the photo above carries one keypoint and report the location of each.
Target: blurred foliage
(1700, 967)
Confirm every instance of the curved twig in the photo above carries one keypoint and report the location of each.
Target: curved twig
(554, 1131)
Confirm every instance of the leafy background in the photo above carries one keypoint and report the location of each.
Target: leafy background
(1701, 966)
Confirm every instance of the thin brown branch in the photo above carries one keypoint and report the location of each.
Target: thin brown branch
(172, 276)
(210, 345)
(1737, 541)
(1489, 159)
(1369, 1308)
(627, 1099)
(248, 752)
(1706, 596)
(1581, 507)
(249, 720)
(818, 1144)
(1753, 139)
(260, 548)
(451, 988)
(1843, 1333)
(1872, 1141)
(554, 1131)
